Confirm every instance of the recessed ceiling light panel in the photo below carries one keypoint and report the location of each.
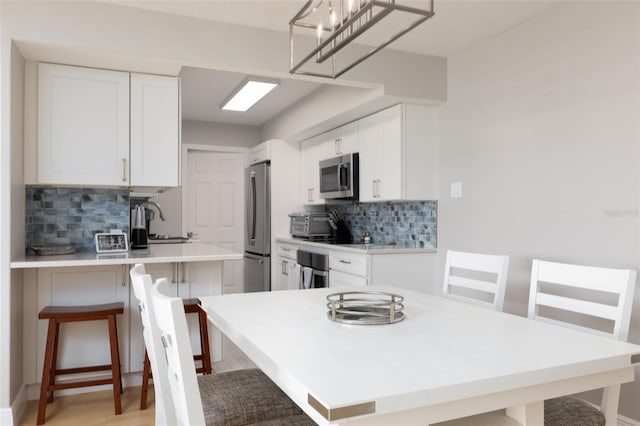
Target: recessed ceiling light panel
(248, 93)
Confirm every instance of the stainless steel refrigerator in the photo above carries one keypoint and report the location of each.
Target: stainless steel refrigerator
(257, 246)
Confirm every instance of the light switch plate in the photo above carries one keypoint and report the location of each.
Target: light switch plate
(456, 189)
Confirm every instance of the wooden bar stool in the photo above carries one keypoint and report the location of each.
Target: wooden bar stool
(191, 306)
(61, 314)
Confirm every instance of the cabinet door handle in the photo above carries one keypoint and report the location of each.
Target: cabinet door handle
(310, 194)
(376, 188)
(285, 270)
(124, 169)
(174, 267)
(286, 249)
(181, 273)
(346, 262)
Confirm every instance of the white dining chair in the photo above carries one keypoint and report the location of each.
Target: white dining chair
(141, 284)
(565, 294)
(241, 397)
(476, 278)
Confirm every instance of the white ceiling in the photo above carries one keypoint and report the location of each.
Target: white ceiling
(457, 25)
(204, 90)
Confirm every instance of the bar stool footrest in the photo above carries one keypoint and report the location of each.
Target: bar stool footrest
(76, 370)
(83, 384)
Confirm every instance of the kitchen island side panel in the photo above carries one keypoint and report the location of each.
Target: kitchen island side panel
(413, 271)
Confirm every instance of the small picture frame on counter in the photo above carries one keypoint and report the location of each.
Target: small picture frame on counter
(111, 242)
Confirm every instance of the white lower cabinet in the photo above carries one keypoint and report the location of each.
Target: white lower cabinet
(287, 267)
(402, 268)
(288, 274)
(339, 279)
(87, 343)
(348, 269)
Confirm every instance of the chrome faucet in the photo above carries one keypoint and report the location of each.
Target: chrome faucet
(156, 205)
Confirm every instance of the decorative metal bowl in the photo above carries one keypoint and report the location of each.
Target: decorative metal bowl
(365, 307)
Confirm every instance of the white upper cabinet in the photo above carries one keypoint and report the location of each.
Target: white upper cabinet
(397, 150)
(83, 126)
(107, 128)
(311, 152)
(260, 153)
(340, 141)
(343, 140)
(155, 132)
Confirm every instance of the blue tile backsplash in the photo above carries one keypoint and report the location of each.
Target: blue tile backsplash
(71, 216)
(409, 224)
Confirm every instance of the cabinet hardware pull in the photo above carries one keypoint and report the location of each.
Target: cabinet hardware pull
(174, 267)
(181, 273)
(284, 268)
(346, 262)
(124, 169)
(376, 188)
(124, 276)
(310, 194)
(286, 249)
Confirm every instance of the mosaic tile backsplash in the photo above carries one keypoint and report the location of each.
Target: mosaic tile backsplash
(409, 224)
(71, 216)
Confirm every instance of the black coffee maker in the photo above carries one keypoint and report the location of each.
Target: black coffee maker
(138, 229)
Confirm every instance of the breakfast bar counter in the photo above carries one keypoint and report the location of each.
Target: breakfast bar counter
(156, 253)
(192, 269)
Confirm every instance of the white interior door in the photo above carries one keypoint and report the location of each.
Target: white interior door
(215, 206)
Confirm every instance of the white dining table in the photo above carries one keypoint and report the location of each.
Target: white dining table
(444, 361)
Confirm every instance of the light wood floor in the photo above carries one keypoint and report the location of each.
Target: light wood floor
(96, 408)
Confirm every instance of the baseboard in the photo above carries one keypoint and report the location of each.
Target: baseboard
(11, 416)
(19, 404)
(626, 421)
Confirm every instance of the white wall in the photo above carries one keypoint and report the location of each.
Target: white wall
(542, 129)
(205, 133)
(12, 224)
(5, 212)
(17, 214)
(323, 109)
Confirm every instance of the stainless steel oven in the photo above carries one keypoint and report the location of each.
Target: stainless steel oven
(314, 269)
(339, 177)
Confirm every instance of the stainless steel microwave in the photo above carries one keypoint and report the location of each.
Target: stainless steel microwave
(339, 177)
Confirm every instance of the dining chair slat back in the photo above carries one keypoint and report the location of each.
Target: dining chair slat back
(141, 284)
(182, 379)
(243, 397)
(588, 299)
(567, 289)
(476, 278)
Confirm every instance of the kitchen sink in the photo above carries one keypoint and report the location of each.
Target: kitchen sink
(165, 239)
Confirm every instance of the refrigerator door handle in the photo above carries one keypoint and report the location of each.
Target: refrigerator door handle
(260, 261)
(252, 210)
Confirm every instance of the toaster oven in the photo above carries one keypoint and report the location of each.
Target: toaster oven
(310, 225)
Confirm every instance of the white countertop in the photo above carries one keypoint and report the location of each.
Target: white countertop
(156, 253)
(359, 248)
